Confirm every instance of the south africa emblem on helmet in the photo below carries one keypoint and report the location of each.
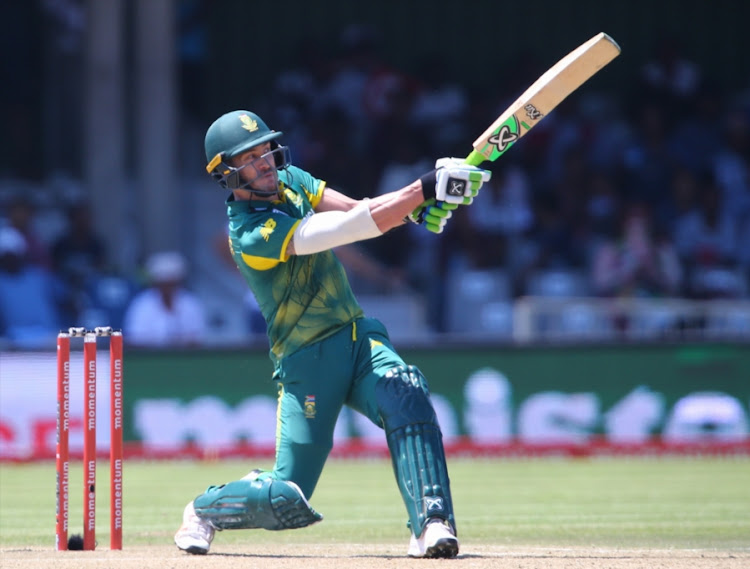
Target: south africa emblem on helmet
(310, 407)
(248, 123)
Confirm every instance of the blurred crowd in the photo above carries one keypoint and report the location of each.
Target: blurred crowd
(640, 191)
(47, 289)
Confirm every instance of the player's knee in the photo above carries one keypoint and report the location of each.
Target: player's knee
(403, 398)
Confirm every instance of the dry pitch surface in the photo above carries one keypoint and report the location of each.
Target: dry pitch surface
(386, 556)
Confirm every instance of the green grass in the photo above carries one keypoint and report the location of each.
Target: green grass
(682, 503)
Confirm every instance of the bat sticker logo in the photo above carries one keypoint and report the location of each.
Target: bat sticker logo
(532, 112)
(504, 138)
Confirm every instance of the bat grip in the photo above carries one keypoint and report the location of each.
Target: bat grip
(475, 158)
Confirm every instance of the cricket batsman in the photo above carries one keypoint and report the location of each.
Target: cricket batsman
(283, 223)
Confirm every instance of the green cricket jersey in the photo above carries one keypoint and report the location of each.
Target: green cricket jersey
(304, 298)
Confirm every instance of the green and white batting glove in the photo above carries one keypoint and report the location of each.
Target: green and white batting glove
(453, 181)
(433, 215)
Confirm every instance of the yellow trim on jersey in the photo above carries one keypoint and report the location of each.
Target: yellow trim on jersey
(315, 199)
(287, 239)
(259, 263)
(266, 263)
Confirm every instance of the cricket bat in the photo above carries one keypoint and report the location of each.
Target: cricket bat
(545, 94)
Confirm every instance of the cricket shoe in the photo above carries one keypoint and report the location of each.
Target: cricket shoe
(438, 540)
(195, 535)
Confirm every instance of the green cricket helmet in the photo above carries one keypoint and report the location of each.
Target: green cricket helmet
(234, 133)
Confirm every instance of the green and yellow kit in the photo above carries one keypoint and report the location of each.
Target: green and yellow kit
(303, 298)
(326, 354)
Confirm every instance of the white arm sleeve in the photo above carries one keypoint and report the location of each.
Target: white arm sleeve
(329, 229)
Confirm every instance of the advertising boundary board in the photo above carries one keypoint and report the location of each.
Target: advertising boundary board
(491, 400)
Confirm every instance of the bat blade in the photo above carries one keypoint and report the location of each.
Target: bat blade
(543, 96)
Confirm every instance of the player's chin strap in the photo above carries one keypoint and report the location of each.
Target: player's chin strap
(416, 446)
(230, 178)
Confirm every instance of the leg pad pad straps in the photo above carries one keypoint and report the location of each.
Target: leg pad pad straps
(249, 504)
(416, 446)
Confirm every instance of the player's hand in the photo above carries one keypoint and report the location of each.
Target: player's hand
(452, 162)
(453, 181)
(433, 215)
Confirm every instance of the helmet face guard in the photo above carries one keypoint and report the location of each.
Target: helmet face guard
(230, 177)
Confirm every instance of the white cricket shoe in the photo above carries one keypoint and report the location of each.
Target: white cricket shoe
(437, 540)
(195, 535)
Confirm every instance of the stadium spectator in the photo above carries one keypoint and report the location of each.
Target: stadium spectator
(638, 260)
(707, 234)
(392, 126)
(744, 252)
(29, 316)
(298, 103)
(21, 217)
(646, 160)
(78, 258)
(695, 140)
(441, 106)
(166, 314)
(491, 236)
(732, 166)
(395, 250)
(707, 241)
(553, 242)
(604, 202)
(358, 61)
(346, 167)
(681, 199)
(670, 78)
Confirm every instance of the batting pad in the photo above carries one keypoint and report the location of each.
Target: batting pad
(416, 446)
(419, 465)
(251, 504)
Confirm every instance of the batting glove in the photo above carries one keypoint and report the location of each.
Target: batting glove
(453, 181)
(433, 215)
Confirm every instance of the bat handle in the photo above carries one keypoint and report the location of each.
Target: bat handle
(475, 158)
